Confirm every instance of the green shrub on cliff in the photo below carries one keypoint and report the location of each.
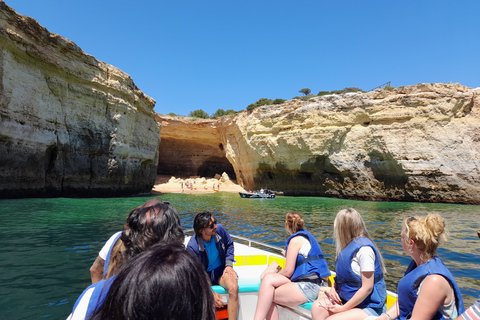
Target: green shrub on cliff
(259, 103)
(345, 90)
(221, 113)
(199, 114)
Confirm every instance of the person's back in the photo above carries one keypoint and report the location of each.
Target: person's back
(152, 223)
(164, 282)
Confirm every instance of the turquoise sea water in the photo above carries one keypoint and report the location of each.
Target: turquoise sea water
(48, 245)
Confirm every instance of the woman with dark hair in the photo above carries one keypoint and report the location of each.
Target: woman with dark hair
(164, 282)
(152, 223)
(149, 225)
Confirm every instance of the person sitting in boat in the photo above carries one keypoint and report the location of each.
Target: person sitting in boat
(359, 290)
(99, 268)
(472, 313)
(147, 226)
(164, 282)
(428, 289)
(214, 247)
(305, 272)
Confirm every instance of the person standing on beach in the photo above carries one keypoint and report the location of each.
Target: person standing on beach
(214, 247)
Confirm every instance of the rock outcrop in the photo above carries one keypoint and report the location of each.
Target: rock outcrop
(192, 148)
(70, 125)
(416, 143)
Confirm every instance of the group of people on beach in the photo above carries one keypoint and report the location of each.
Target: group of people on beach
(145, 272)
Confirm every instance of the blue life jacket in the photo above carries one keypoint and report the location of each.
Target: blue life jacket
(408, 286)
(107, 259)
(96, 300)
(348, 283)
(314, 263)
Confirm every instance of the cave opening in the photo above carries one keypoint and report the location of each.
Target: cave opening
(216, 165)
(181, 158)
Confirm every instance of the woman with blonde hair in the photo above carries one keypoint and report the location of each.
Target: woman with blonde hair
(428, 289)
(305, 272)
(359, 289)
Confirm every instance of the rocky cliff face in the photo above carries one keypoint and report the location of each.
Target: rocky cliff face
(192, 148)
(416, 143)
(69, 124)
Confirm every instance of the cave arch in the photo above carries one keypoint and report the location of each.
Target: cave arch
(216, 165)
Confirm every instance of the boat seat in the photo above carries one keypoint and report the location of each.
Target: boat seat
(244, 285)
(307, 305)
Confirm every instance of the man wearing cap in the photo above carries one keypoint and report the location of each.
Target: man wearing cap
(214, 247)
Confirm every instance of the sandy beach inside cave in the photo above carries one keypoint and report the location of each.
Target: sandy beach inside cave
(194, 185)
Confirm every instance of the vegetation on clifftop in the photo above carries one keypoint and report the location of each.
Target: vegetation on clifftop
(200, 114)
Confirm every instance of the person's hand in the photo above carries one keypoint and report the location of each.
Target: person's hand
(336, 308)
(333, 296)
(229, 272)
(218, 300)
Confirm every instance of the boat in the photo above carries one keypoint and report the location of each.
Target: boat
(251, 259)
(256, 195)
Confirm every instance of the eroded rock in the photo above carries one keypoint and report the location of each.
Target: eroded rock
(69, 124)
(415, 143)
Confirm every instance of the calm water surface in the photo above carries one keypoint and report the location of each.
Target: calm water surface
(48, 245)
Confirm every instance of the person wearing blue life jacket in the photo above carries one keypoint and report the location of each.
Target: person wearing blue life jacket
(359, 290)
(428, 290)
(152, 223)
(164, 282)
(305, 272)
(100, 266)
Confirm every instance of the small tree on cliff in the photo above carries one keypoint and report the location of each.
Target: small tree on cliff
(199, 114)
(219, 113)
(305, 91)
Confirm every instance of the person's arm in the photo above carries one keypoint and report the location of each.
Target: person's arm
(359, 296)
(229, 248)
(434, 292)
(96, 270)
(472, 313)
(392, 313)
(365, 258)
(292, 253)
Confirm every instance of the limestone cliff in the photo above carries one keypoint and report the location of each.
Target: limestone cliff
(416, 143)
(69, 124)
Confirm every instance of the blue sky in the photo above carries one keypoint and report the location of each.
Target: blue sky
(211, 54)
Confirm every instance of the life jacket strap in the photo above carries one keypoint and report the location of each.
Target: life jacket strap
(315, 257)
(356, 283)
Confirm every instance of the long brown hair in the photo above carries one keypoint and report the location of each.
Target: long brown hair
(349, 225)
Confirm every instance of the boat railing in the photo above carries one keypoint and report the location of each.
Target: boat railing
(248, 241)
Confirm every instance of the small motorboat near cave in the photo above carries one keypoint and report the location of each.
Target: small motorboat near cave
(257, 195)
(251, 259)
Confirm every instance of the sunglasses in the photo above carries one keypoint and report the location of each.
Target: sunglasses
(210, 226)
